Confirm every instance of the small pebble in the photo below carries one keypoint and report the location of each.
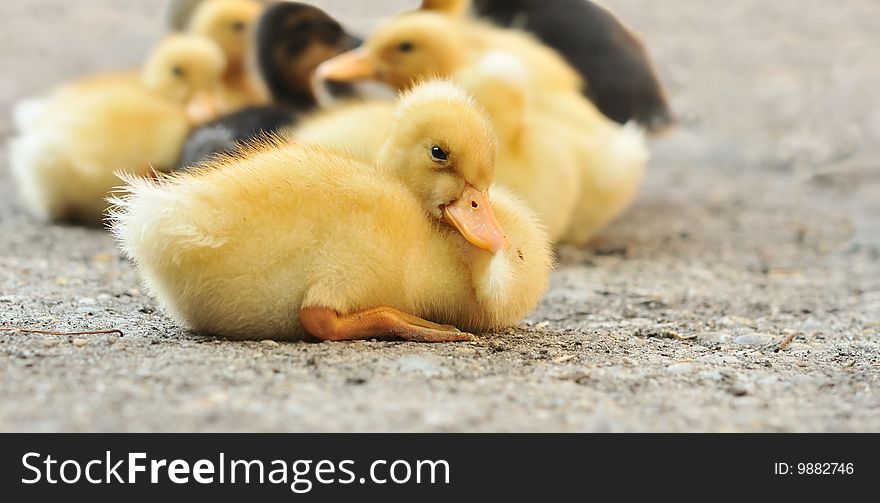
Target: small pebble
(739, 391)
(732, 321)
(496, 347)
(269, 343)
(713, 337)
(754, 339)
(87, 300)
(50, 343)
(80, 342)
(711, 375)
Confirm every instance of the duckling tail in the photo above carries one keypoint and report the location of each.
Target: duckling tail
(41, 175)
(27, 112)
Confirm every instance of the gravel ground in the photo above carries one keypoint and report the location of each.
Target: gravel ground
(758, 220)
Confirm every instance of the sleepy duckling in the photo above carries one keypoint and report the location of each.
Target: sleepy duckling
(64, 162)
(230, 24)
(293, 239)
(619, 74)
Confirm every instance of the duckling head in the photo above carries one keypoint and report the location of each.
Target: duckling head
(293, 39)
(183, 66)
(404, 51)
(230, 24)
(443, 148)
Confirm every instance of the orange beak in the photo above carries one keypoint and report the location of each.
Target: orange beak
(472, 216)
(202, 108)
(348, 66)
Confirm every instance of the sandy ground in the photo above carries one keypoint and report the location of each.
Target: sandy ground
(759, 219)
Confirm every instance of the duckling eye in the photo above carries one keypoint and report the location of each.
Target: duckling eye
(238, 26)
(438, 154)
(405, 47)
(178, 72)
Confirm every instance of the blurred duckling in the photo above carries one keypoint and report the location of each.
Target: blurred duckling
(178, 13)
(611, 158)
(231, 24)
(63, 164)
(535, 158)
(620, 76)
(292, 40)
(415, 45)
(291, 239)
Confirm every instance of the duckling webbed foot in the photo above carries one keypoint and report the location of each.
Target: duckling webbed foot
(328, 325)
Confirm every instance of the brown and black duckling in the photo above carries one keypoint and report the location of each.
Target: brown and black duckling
(292, 40)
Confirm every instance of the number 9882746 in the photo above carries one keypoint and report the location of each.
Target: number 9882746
(825, 468)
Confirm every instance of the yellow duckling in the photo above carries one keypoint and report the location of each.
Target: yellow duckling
(535, 158)
(231, 24)
(417, 45)
(292, 239)
(64, 161)
(178, 13)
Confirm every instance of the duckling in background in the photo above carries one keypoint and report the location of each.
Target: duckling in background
(535, 158)
(293, 239)
(63, 163)
(231, 24)
(293, 39)
(178, 13)
(415, 45)
(621, 79)
(611, 158)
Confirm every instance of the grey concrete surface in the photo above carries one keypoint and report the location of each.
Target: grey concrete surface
(759, 219)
